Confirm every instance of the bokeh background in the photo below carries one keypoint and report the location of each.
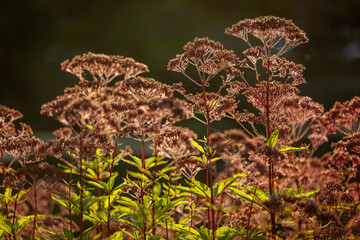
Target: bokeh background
(36, 36)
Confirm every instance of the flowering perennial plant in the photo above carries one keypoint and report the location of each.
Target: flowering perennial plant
(262, 180)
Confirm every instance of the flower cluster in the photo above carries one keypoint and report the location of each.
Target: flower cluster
(103, 68)
(269, 30)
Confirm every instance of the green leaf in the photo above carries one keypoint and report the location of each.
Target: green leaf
(247, 197)
(89, 127)
(57, 236)
(288, 191)
(111, 181)
(215, 159)
(127, 222)
(67, 233)
(99, 184)
(5, 224)
(257, 192)
(184, 228)
(85, 233)
(273, 138)
(292, 149)
(200, 148)
(137, 162)
(24, 221)
(213, 104)
(155, 238)
(221, 186)
(225, 233)
(88, 202)
(199, 159)
(63, 202)
(309, 194)
(140, 176)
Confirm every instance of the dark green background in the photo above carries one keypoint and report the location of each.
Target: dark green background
(36, 36)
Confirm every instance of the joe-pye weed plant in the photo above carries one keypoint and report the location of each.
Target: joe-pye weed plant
(272, 186)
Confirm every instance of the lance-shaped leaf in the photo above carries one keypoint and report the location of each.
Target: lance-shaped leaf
(23, 222)
(196, 187)
(292, 149)
(248, 197)
(53, 234)
(221, 186)
(257, 192)
(184, 228)
(5, 225)
(273, 138)
(200, 148)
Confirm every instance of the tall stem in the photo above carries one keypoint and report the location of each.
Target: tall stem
(69, 195)
(251, 206)
(141, 184)
(15, 207)
(357, 183)
(81, 193)
(209, 180)
(268, 132)
(35, 209)
(154, 178)
(4, 173)
(109, 197)
(168, 194)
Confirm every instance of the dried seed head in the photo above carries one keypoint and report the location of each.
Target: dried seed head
(268, 29)
(103, 68)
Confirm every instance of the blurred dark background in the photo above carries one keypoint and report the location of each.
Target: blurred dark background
(36, 36)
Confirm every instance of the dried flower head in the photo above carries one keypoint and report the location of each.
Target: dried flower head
(175, 143)
(149, 116)
(207, 56)
(145, 88)
(344, 117)
(7, 118)
(103, 68)
(269, 30)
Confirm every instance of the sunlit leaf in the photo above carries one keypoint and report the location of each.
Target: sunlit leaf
(273, 138)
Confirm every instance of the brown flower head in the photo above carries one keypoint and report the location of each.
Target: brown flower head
(269, 29)
(7, 118)
(343, 117)
(175, 143)
(149, 116)
(207, 56)
(25, 149)
(218, 105)
(231, 143)
(285, 69)
(145, 88)
(103, 68)
(301, 112)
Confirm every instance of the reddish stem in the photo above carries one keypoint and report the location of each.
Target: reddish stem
(81, 193)
(357, 183)
(209, 181)
(154, 178)
(141, 185)
(251, 206)
(4, 173)
(111, 171)
(35, 209)
(69, 195)
(268, 131)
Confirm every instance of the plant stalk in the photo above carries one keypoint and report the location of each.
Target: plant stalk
(4, 173)
(35, 209)
(209, 180)
(81, 194)
(268, 133)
